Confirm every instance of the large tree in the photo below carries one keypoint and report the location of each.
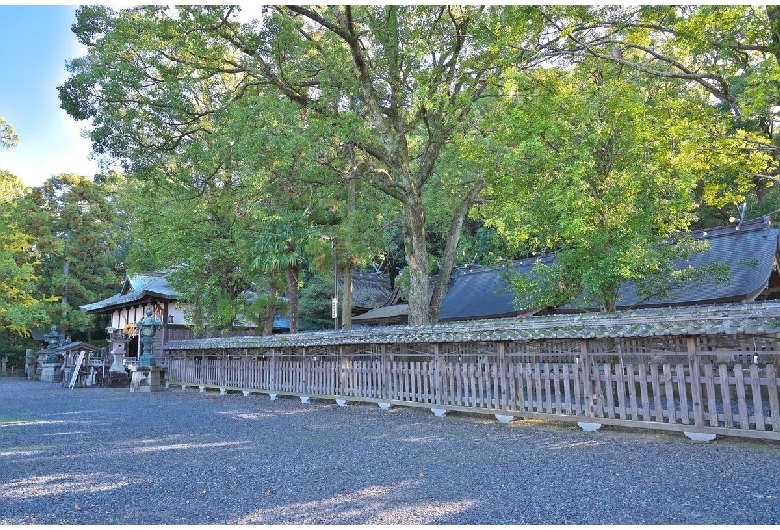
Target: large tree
(601, 166)
(76, 238)
(20, 305)
(398, 83)
(729, 51)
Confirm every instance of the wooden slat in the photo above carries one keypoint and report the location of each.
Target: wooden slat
(426, 380)
(682, 391)
(620, 388)
(503, 376)
(529, 387)
(576, 378)
(546, 375)
(480, 384)
(512, 391)
(472, 384)
(645, 396)
(599, 392)
(709, 382)
(567, 398)
(557, 387)
(655, 381)
(608, 389)
(586, 379)
(694, 367)
(539, 394)
(631, 381)
(670, 407)
(494, 385)
(744, 420)
(771, 386)
(758, 402)
(417, 382)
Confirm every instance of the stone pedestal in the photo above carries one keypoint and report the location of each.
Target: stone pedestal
(47, 371)
(116, 380)
(29, 363)
(145, 378)
(118, 365)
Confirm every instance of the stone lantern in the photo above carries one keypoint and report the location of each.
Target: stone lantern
(147, 328)
(146, 375)
(53, 338)
(49, 366)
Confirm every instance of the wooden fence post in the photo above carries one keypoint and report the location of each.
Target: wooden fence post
(386, 372)
(272, 378)
(342, 373)
(586, 383)
(439, 381)
(305, 367)
(694, 366)
(503, 398)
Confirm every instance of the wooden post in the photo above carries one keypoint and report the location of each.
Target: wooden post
(305, 367)
(272, 379)
(502, 366)
(694, 366)
(386, 372)
(588, 387)
(439, 367)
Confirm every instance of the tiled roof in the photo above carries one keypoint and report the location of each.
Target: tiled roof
(391, 314)
(135, 289)
(749, 252)
(370, 291)
(758, 318)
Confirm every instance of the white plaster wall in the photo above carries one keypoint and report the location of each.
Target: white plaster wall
(177, 313)
(119, 318)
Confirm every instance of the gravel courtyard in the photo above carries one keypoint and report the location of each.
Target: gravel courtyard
(108, 456)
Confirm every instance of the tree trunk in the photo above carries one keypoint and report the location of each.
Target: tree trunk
(346, 297)
(417, 259)
(270, 310)
(292, 297)
(451, 246)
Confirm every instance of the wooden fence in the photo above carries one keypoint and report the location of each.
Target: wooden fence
(690, 384)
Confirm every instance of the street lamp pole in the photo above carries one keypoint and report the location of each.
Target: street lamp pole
(335, 301)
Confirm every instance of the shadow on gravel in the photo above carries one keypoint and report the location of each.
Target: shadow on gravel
(103, 456)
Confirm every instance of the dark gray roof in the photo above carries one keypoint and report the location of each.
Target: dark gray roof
(749, 252)
(135, 289)
(370, 291)
(757, 318)
(481, 293)
(392, 314)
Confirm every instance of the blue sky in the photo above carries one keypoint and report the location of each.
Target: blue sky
(35, 43)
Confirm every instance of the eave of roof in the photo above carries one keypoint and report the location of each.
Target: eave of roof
(123, 300)
(758, 318)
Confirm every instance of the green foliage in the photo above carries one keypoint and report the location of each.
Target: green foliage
(600, 170)
(7, 137)
(20, 303)
(74, 233)
(186, 221)
(590, 130)
(314, 305)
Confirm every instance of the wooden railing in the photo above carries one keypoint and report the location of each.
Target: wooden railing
(693, 391)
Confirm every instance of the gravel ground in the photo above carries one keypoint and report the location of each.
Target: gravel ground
(108, 456)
